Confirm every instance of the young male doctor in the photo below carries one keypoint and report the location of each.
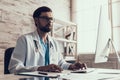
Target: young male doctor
(37, 51)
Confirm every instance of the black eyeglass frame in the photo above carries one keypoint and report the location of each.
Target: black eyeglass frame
(47, 18)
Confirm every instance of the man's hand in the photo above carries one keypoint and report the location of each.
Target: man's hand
(50, 68)
(77, 65)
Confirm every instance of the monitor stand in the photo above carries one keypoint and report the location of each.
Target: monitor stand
(112, 44)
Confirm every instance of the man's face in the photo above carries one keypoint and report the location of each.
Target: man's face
(45, 22)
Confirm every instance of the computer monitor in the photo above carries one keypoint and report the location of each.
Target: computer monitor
(103, 36)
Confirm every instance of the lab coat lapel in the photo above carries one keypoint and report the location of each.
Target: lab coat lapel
(52, 50)
(38, 44)
(51, 45)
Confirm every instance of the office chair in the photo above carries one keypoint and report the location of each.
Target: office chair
(7, 56)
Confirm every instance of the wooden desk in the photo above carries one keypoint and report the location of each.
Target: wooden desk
(12, 77)
(19, 77)
(97, 74)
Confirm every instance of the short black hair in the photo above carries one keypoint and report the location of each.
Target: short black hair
(39, 10)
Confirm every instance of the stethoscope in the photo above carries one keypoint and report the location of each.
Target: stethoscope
(37, 48)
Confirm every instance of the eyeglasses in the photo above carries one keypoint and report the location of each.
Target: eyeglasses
(46, 19)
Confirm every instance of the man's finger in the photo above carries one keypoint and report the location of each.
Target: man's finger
(58, 68)
(84, 65)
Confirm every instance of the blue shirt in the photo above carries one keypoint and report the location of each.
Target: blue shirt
(45, 47)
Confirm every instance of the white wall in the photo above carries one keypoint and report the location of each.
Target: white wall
(86, 15)
(116, 22)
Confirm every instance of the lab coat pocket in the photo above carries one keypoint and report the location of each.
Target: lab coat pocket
(53, 57)
(54, 60)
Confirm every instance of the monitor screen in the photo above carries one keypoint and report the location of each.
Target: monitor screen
(103, 36)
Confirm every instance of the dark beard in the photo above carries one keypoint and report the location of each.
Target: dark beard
(46, 28)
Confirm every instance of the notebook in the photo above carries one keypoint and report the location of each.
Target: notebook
(40, 74)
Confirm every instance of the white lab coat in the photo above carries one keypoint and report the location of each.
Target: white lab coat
(26, 56)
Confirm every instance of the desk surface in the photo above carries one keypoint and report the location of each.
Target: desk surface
(19, 77)
(12, 77)
(97, 74)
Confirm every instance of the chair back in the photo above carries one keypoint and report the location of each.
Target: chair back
(7, 56)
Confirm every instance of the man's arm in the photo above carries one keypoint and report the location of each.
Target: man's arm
(63, 64)
(18, 58)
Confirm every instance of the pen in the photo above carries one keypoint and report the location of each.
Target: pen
(42, 73)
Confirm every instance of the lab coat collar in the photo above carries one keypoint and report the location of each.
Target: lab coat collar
(36, 38)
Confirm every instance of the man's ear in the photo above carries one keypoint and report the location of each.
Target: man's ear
(36, 21)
